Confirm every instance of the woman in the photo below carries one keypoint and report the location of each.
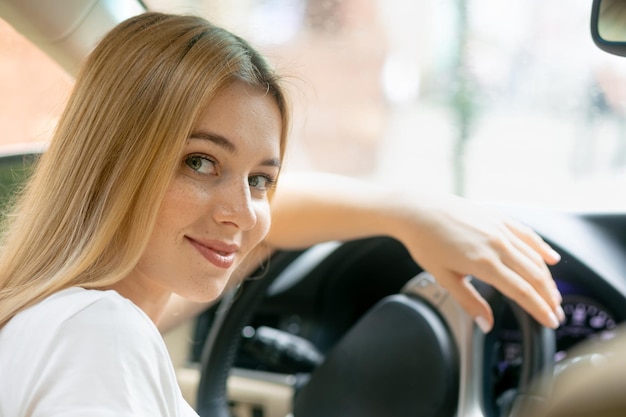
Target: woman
(158, 181)
(173, 124)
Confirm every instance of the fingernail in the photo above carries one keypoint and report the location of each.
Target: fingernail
(482, 324)
(554, 255)
(560, 314)
(554, 322)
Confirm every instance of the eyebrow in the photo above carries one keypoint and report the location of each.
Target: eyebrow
(228, 145)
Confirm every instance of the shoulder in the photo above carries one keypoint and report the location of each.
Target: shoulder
(84, 348)
(100, 324)
(75, 301)
(76, 322)
(78, 309)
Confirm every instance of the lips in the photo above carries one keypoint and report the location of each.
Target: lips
(219, 253)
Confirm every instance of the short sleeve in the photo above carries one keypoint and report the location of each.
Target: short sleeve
(107, 360)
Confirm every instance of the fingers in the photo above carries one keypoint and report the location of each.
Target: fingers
(468, 298)
(510, 285)
(514, 262)
(519, 289)
(527, 263)
(528, 236)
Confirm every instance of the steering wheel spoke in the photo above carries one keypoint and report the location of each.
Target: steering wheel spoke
(538, 349)
(465, 333)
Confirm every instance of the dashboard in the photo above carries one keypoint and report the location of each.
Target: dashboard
(589, 318)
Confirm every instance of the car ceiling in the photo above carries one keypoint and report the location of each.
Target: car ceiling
(68, 32)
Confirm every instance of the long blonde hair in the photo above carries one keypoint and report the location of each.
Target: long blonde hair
(86, 214)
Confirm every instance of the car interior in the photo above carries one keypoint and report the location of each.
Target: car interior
(357, 328)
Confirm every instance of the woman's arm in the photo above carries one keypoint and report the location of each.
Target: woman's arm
(447, 236)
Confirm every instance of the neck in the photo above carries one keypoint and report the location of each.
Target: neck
(151, 300)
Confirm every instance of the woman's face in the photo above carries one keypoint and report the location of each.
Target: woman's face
(216, 208)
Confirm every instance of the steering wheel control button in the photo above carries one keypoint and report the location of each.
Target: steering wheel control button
(426, 287)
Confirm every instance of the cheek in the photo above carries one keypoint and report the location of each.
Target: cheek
(263, 222)
(181, 205)
(176, 203)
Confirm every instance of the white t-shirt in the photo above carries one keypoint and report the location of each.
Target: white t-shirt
(86, 353)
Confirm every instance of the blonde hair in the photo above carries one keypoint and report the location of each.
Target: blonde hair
(86, 214)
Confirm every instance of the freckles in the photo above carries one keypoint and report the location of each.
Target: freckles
(264, 220)
(183, 196)
(180, 206)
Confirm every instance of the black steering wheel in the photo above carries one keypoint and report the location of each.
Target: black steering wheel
(401, 358)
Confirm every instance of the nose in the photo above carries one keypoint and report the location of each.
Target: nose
(234, 205)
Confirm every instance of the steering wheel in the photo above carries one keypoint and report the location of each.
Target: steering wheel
(400, 359)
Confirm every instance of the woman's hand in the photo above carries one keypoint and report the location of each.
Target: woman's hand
(453, 238)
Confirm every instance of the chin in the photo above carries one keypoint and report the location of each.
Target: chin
(207, 292)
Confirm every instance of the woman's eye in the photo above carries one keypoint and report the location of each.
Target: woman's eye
(201, 164)
(261, 182)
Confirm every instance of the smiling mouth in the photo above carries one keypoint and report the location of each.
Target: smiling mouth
(215, 253)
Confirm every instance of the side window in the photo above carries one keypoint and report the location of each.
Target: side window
(33, 90)
(14, 170)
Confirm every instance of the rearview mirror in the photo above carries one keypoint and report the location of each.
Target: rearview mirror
(608, 25)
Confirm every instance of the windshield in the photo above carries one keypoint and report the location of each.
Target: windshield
(496, 101)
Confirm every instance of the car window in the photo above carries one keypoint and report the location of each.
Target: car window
(14, 170)
(505, 101)
(497, 101)
(33, 90)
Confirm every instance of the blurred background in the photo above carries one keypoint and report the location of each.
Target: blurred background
(496, 101)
